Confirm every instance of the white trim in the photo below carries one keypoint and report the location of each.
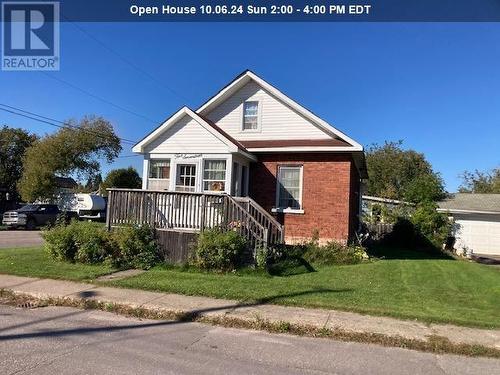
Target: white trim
(305, 149)
(248, 75)
(301, 186)
(184, 111)
(454, 211)
(384, 200)
(203, 175)
(259, 102)
(287, 210)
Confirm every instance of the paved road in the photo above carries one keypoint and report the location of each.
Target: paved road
(20, 238)
(56, 340)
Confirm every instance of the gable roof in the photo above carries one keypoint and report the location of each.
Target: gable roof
(245, 77)
(230, 142)
(471, 203)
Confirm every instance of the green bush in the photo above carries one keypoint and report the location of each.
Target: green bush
(92, 242)
(433, 226)
(219, 250)
(134, 247)
(333, 253)
(60, 242)
(88, 242)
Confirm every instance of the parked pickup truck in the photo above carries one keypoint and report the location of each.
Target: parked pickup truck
(32, 216)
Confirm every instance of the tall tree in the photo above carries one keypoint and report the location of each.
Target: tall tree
(396, 173)
(481, 182)
(122, 178)
(13, 145)
(73, 150)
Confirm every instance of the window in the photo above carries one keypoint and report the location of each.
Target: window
(289, 187)
(214, 175)
(159, 169)
(186, 177)
(250, 115)
(159, 175)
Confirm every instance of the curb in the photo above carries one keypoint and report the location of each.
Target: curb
(433, 343)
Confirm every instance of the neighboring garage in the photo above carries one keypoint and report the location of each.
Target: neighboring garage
(477, 222)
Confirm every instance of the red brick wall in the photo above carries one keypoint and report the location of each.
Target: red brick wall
(329, 185)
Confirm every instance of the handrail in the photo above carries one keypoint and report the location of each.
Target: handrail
(260, 209)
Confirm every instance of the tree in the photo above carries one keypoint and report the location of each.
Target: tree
(401, 174)
(93, 183)
(481, 182)
(73, 150)
(122, 178)
(13, 145)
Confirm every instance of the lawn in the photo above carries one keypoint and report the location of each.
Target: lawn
(431, 290)
(427, 289)
(34, 262)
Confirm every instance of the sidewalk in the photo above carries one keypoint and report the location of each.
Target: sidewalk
(208, 307)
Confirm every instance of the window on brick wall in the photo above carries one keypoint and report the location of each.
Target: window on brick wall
(289, 189)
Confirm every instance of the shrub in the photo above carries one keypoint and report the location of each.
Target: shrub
(219, 250)
(135, 247)
(84, 242)
(92, 242)
(333, 253)
(88, 242)
(60, 242)
(433, 226)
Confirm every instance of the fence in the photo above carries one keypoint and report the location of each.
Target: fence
(183, 211)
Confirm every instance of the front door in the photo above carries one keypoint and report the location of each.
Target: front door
(186, 178)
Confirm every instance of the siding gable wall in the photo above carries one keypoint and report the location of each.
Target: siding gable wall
(278, 121)
(186, 136)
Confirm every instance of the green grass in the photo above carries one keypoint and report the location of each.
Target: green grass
(35, 263)
(430, 290)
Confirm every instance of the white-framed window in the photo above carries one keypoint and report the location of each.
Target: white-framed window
(186, 177)
(289, 189)
(159, 169)
(251, 115)
(214, 175)
(159, 174)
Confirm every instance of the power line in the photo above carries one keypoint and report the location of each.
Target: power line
(49, 121)
(99, 98)
(128, 62)
(128, 156)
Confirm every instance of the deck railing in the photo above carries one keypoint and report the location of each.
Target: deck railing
(274, 228)
(193, 211)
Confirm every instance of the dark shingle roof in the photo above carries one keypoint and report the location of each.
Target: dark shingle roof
(471, 202)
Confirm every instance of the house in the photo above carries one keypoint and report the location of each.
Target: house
(250, 139)
(477, 222)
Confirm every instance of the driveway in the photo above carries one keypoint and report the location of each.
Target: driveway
(20, 238)
(61, 340)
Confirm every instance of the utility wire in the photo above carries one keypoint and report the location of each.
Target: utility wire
(99, 98)
(49, 121)
(128, 62)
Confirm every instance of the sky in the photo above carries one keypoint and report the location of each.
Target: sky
(436, 86)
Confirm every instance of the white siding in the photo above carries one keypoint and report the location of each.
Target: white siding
(278, 121)
(479, 233)
(186, 136)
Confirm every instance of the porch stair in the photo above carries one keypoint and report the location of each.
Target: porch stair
(194, 212)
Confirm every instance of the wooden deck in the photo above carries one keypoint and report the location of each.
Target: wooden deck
(193, 212)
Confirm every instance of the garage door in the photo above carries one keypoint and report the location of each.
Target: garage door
(481, 233)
